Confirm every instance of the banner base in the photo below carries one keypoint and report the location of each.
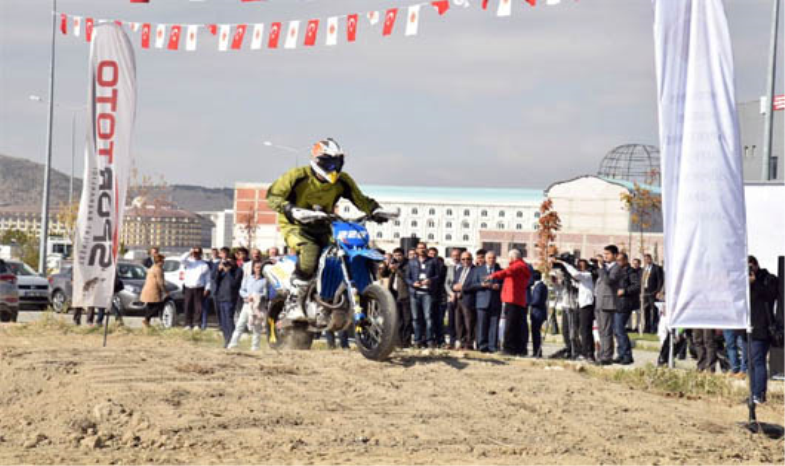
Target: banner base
(772, 431)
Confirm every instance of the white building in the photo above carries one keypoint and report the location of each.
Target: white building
(222, 233)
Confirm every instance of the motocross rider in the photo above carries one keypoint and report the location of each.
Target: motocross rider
(303, 198)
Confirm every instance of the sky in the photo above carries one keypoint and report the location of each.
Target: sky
(472, 100)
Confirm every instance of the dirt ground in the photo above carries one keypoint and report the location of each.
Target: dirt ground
(64, 399)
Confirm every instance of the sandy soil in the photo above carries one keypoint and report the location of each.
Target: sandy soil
(64, 399)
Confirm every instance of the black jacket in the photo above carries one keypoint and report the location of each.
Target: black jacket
(763, 294)
(467, 296)
(656, 280)
(630, 282)
(400, 290)
(420, 271)
(226, 285)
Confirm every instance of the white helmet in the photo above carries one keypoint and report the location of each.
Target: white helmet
(327, 159)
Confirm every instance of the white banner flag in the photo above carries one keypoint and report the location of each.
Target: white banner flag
(77, 26)
(160, 36)
(111, 109)
(412, 20)
(223, 37)
(191, 35)
(505, 8)
(292, 34)
(702, 183)
(332, 31)
(258, 36)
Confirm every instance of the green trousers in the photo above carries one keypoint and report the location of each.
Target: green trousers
(308, 247)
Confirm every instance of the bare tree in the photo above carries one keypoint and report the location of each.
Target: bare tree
(153, 199)
(248, 224)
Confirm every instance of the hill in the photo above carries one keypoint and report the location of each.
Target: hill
(21, 183)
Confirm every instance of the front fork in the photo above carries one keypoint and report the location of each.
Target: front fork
(352, 294)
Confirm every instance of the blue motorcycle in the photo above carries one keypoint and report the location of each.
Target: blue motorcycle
(342, 296)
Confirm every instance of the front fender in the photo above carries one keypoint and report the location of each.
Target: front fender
(371, 254)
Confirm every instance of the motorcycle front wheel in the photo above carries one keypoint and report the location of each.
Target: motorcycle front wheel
(375, 335)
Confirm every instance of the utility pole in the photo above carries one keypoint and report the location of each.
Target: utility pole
(771, 79)
(47, 166)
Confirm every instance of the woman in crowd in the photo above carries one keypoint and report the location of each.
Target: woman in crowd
(253, 291)
(154, 289)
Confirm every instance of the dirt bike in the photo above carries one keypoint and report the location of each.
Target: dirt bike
(342, 295)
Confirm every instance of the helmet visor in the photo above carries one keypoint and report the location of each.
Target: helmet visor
(330, 163)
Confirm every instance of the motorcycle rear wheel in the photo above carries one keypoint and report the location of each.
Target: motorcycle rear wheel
(376, 335)
(296, 337)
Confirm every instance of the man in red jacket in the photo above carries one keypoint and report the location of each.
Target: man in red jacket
(516, 279)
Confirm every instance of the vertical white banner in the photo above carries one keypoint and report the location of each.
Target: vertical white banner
(702, 180)
(111, 109)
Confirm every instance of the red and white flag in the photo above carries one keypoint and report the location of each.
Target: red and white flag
(485, 4)
(190, 38)
(505, 8)
(412, 20)
(291, 35)
(310, 33)
(373, 17)
(351, 27)
(174, 37)
(146, 36)
(441, 6)
(239, 34)
(135, 26)
(532, 2)
(160, 36)
(552, 2)
(213, 29)
(275, 34)
(389, 21)
(332, 31)
(258, 36)
(77, 26)
(64, 23)
(223, 37)
(88, 29)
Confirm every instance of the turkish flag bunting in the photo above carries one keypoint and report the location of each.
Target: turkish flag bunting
(140, 1)
(64, 23)
(239, 34)
(484, 4)
(88, 29)
(190, 39)
(223, 38)
(213, 29)
(160, 36)
(174, 37)
(332, 31)
(412, 20)
(275, 34)
(505, 8)
(532, 2)
(118, 22)
(256, 40)
(351, 27)
(441, 6)
(389, 21)
(146, 36)
(310, 33)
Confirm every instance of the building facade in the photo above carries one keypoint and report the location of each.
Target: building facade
(167, 228)
(28, 220)
(222, 233)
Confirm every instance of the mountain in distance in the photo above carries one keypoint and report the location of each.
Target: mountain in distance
(21, 184)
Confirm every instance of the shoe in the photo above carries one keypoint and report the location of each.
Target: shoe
(627, 362)
(616, 361)
(293, 312)
(758, 400)
(432, 345)
(604, 362)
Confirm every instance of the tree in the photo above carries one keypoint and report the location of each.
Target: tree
(67, 215)
(642, 204)
(149, 195)
(249, 222)
(27, 243)
(549, 224)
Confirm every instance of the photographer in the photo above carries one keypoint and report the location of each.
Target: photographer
(582, 275)
(567, 303)
(395, 268)
(227, 279)
(196, 286)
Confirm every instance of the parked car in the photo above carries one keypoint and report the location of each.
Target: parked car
(33, 288)
(127, 301)
(9, 294)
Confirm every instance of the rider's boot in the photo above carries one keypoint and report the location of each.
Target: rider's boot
(294, 311)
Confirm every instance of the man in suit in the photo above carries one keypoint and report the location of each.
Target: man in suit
(421, 277)
(465, 311)
(628, 291)
(606, 301)
(488, 303)
(652, 281)
(439, 296)
(395, 270)
(452, 302)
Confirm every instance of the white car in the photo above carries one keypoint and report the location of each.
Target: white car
(33, 288)
(174, 271)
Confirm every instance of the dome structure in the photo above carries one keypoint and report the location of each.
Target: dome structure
(632, 162)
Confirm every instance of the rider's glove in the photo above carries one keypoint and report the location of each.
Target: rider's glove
(381, 215)
(306, 215)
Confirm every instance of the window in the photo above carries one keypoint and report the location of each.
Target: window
(518, 226)
(500, 226)
(449, 212)
(466, 237)
(346, 209)
(431, 224)
(414, 211)
(521, 247)
(465, 225)
(396, 235)
(536, 215)
(432, 212)
(378, 234)
(536, 226)
(519, 214)
(414, 223)
(484, 213)
(501, 213)
(448, 237)
(397, 223)
(430, 236)
(484, 226)
(448, 225)
(466, 213)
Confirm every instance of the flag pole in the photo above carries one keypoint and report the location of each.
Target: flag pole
(48, 158)
(771, 79)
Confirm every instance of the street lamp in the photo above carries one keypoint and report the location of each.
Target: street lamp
(74, 109)
(296, 152)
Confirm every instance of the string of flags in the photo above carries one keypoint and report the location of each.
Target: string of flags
(233, 36)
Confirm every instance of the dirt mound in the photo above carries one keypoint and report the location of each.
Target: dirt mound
(64, 399)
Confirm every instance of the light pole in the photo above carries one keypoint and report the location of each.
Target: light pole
(772, 76)
(48, 158)
(74, 111)
(296, 152)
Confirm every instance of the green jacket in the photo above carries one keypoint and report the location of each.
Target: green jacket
(299, 187)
